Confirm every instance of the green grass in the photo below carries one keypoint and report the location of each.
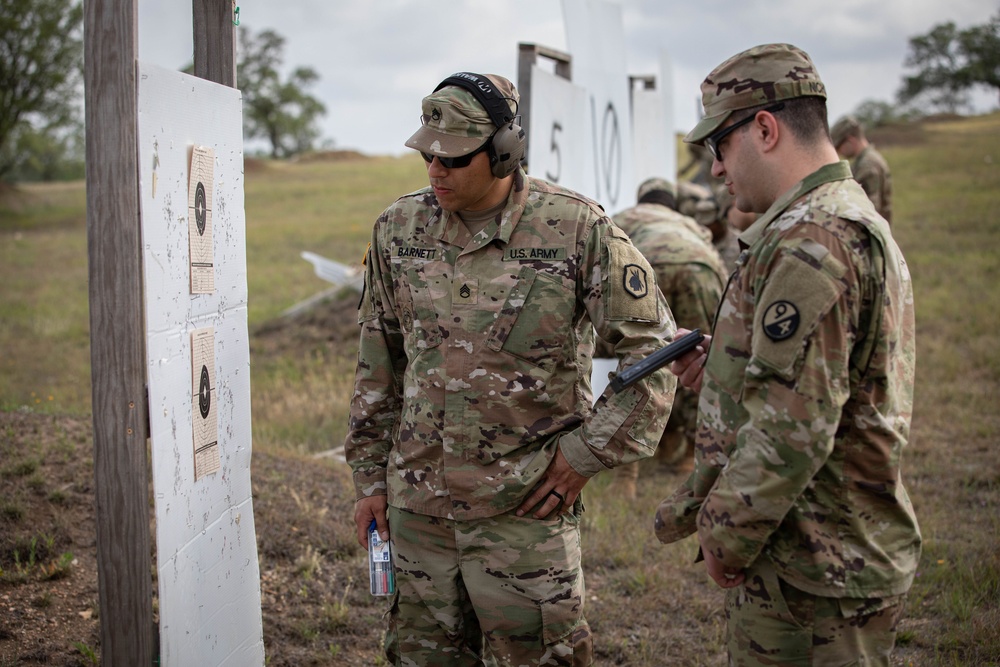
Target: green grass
(645, 600)
(324, 207)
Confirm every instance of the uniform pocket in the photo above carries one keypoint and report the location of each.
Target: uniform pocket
(535, 318)
(418, 318)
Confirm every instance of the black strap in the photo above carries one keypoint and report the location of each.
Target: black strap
(485, 92)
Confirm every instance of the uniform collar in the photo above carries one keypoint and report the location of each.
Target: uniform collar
(835, 171)
(453, 230)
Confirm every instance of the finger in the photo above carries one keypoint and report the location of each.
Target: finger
(532, 500)
(549, 507)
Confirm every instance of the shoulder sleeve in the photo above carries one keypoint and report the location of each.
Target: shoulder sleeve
(629, 283)
(802, 287)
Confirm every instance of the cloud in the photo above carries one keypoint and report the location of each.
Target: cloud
(376, 60)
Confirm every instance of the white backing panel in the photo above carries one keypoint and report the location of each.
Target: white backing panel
(665, 85)
(596, 39)
(209, 580)
(649, 143)
(557, 150)
(654, 143)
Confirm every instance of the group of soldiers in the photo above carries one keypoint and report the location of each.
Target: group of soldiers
(474, 424)
(689, 233)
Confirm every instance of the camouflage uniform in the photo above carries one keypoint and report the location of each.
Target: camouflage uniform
(691, 276)
(805, 409)
(872, 172)
(474, 367)
(869, 167)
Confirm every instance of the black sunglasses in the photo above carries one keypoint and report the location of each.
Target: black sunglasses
(714, 141)
(456, 162)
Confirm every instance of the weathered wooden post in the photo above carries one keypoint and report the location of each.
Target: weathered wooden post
(117, 351)
(117, 332)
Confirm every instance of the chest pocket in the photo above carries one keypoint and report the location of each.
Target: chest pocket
(418, 318)
(536, 319)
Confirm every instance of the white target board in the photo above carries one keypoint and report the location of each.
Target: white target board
(198, 355)
(596, 40)
(558, 120)
(653, 142)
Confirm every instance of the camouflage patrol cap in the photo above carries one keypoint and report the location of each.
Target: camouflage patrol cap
(761, 75)
(654, 184)
(842, 129)
(454, 122)
(706, 212)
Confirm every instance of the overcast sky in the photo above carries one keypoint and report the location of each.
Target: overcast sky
(377, 59)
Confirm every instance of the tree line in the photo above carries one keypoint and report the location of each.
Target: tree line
(41, 92)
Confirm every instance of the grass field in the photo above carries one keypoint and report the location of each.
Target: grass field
(648, 603)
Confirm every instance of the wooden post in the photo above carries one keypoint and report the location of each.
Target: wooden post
(117, 347)
(214, 41)
(527, 55)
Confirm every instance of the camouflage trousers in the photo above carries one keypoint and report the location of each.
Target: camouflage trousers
(503, 590)
(769, 622)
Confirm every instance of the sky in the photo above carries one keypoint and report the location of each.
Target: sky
(377, 59)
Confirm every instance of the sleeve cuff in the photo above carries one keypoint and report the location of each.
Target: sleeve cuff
(578, 455)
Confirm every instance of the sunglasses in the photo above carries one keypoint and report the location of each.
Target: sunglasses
(456, 162)
(714, 141)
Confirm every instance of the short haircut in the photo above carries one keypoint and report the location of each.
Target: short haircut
(804, 116)
(661, 197)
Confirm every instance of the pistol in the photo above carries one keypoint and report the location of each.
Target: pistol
(657, 360)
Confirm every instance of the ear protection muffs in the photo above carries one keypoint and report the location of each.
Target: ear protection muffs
(507, 142)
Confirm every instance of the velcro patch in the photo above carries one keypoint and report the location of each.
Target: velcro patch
(465, 292)
(401, 251)
(629, 292)
(781, 320)
(544, 254)
(795, 298)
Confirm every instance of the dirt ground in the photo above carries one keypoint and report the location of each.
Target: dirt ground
(313, 585)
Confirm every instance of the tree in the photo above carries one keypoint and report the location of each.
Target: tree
(279, 111)
(875, 113)
(41, 60)
(950, 61)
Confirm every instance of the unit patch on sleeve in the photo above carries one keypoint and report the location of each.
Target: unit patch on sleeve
(781, 320)
(627, 276)
(796, 296)
(635, 281)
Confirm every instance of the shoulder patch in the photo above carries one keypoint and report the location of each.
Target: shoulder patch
(781, 320)
(628, 293)
(635, 280)
(795, 298)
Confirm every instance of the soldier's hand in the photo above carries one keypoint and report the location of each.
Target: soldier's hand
(690, 368)
(558, 490)
(723, 576)
(366, 509)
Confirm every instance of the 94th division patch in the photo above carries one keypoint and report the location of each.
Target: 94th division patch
(781, 320)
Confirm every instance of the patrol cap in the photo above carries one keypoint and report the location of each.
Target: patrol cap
(454, 123)
(843, 128)
(689, 195)
(654, 184)
(706, 212)
(761, 75)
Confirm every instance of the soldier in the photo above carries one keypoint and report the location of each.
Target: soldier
(471, 431)
(689, 195)
(691, 276)
(869, 167)
(806, 388)
(719, 215)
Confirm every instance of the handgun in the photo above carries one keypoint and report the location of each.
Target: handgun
(657, 360)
